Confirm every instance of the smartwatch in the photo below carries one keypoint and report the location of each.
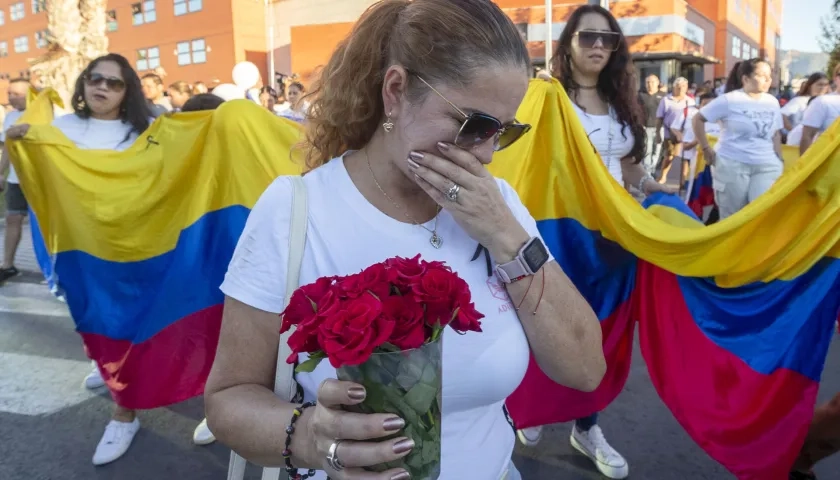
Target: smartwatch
(530, 259)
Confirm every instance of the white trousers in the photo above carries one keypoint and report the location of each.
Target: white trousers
(737, 184)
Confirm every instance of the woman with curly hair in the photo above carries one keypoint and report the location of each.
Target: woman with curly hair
(592, 61)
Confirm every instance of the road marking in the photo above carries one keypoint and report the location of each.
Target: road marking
(33, 385)
(31, 299)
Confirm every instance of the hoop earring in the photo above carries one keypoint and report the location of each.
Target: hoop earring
(388, 125)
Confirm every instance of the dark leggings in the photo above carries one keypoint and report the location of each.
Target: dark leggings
(586, 423)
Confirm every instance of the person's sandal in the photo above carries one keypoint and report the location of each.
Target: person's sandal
(7, 273)
(796, 475)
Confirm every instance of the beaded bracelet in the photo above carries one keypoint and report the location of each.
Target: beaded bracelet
(287, 452)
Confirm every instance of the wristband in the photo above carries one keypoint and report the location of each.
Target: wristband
(287, 453)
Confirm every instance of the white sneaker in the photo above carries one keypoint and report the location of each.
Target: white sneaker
(115, 441)
(529, 437)
(94, 379)
(593, 444)
(202, 434)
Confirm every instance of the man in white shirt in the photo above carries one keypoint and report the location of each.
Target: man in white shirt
(681, 128)
(16, 206)
(820, 114)
(669, 109)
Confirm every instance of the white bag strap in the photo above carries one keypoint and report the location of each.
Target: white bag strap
(284, 377)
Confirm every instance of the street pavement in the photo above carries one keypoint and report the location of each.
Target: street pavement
(49, 424)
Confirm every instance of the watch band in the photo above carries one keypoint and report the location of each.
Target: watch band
(517, 268)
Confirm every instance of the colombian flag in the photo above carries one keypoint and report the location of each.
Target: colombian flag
(140, 240)
(700, 189)
(734, 319)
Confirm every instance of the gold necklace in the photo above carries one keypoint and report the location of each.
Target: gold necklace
(435, 239)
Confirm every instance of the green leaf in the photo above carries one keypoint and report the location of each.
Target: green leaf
(311, 362)
(410, 372)
(421, 396)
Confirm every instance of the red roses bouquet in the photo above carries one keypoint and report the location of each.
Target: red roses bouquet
(382, 328)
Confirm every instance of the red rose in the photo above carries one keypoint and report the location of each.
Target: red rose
(405, 271)
(349, 335)
(374, 279)
(302, 306)
(467, 318)
(435, 264)
(409, 322)
(439, 290)
(303, 340)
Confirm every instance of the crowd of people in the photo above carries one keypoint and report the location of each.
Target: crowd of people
(388, 138)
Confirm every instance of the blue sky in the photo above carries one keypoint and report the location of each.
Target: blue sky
(802, 16)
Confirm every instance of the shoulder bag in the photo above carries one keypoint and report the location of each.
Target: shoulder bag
(284, 380)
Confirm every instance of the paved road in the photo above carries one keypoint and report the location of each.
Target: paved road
(49, 424)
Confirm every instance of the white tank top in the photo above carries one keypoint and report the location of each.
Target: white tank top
(611, 141)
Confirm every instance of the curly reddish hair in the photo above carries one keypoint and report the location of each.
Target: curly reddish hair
(445, 41)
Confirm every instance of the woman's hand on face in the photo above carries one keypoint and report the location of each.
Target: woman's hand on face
(356, 434)
(17, 131)
(479, 207)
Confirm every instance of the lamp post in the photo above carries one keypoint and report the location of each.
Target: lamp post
(269, 14)
(549, 36)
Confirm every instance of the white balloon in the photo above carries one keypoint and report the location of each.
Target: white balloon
(228, 91)
(246, 75)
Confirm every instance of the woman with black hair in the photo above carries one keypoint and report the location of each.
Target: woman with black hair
(747, 159)
(592, 61)
(109, 113)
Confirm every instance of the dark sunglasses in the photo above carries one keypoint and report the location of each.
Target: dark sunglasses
(589, 39)
(477, 127)
(112, 83)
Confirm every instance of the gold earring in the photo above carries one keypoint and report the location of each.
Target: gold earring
(388, 125)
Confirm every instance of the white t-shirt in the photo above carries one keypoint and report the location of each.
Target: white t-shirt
(347, 234)
(688, 131)
(600, 128)
(795, 109)
(748, 126)
(10, 120)
(795, 136)
(822, 112)
(93, 134)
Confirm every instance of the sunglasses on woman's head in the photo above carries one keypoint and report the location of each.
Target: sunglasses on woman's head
(112, 83)
(589, 39)
(478, 127)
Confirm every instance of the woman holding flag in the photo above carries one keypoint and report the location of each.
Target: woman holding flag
(593, 63)
(110, 113)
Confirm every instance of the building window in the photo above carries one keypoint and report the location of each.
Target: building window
(21, 44)
(182, 7)
(753, 52)
(778, 42)
(736, 47)
(16, 11)
(143, 12)
(111, 16)
(192, 52)
(148, 58)
(41, 39)
(39, 6)
(2, 17)
(4, 49)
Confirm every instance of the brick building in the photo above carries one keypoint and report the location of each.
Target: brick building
(202, 39)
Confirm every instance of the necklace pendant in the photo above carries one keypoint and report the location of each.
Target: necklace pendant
(435, 240)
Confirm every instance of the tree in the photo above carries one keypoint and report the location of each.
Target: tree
(77, 35)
